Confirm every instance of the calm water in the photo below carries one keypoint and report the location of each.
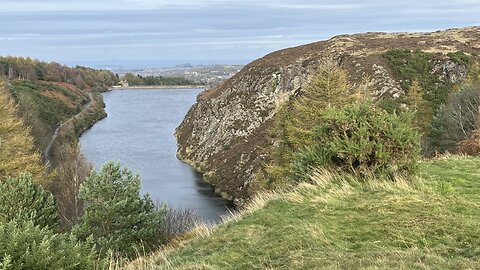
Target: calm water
(138, 133)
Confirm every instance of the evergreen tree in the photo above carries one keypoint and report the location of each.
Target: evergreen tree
(24, 246)
(21, 199)
(328, 88)
(115, 214)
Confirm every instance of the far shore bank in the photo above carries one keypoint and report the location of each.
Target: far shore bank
(159, 87)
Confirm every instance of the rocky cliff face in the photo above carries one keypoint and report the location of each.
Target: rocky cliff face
(225, 134)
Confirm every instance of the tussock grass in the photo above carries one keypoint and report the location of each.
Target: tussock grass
(200, 230)
(257, 203)
(340, 222)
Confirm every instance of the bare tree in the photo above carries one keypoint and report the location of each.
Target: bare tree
(71, 171)
(457, 119)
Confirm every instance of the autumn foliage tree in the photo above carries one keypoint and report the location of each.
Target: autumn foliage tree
(35, 70)
(71, 169)
(417, 104)
(17, 152)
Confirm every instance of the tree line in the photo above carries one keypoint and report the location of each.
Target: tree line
(138, 80)
(35, 70)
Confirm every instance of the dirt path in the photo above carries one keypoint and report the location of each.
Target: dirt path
(48, 149)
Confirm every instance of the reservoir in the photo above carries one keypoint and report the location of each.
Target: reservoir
(139, 133)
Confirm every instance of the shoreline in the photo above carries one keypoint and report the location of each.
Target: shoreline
(153, 87)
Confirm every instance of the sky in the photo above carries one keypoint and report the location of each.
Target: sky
(158, 33)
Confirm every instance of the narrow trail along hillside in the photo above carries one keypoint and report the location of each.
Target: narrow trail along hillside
(47, 152)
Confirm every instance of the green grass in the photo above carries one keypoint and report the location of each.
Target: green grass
(341, 223)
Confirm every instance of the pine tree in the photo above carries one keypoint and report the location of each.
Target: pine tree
(116, 215)
(24, 246)
(23, 200)
(328, 88)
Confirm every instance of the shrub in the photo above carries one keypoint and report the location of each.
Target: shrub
(21, 199)
(470, 146)
(460, 58)
(361, 139)
(409, 66)
(51, 110)
(179, 221)
(26, 246)
(115, 214)
(435, 115)
(415, 67)
(391, 105)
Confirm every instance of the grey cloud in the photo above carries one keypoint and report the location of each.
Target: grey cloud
(213, 30)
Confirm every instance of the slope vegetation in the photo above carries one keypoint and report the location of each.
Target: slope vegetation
(49, 94)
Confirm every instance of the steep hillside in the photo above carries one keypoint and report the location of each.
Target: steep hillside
(46, 104)
(53, 104)
(49, 94)
(226, 133)
(340, 223)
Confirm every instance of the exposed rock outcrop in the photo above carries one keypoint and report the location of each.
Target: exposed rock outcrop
(225, 134)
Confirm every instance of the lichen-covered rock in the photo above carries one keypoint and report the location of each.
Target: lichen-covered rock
(225, 134)
(449, 71)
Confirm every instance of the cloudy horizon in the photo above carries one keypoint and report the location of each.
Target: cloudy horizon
(161, 33)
